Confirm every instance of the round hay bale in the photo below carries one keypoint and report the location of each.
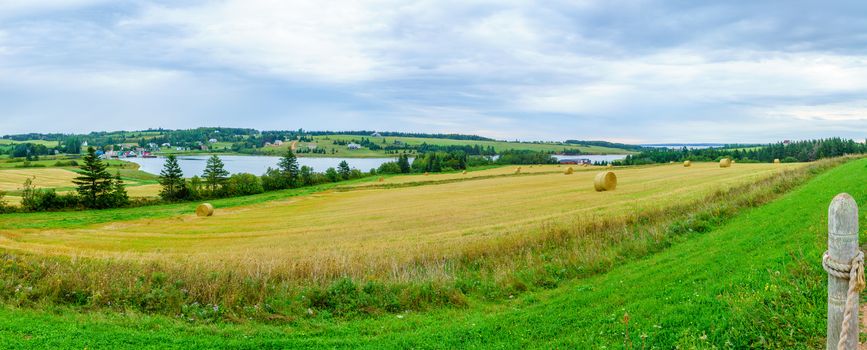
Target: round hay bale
(671, 162)
(776, 160)
(725, 163)
(610, 166)
(381, 179)
(687, 164)
(605, 181)
(585, 165)
(426, 173)
(733, 161)
(518, 170)
(464, 172)
(205, 209)
(569, 171)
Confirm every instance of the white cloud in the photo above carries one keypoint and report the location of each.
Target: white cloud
(331, 41)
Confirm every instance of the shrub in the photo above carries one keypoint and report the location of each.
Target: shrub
(66, 163)
(244, 184)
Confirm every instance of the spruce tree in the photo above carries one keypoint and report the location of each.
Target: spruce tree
(118, 192)
(403, 163)
(343, 170)
(172, 180)
(215, 174)
(95, 183)
(289, 167)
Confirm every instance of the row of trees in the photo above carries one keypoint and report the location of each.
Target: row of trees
(798, 151)
(215, 181)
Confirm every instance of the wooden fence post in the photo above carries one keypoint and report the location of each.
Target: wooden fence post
(842, 247)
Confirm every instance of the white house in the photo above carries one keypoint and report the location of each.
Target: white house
(353, 146)
(278, 142)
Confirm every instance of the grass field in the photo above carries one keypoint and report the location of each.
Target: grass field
(139, 183)
(751, 281)
(356, 232)
(12, 179)
(36, 142)
(325, 142)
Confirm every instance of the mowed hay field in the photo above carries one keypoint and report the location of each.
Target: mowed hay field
(389, 232)
(13, 179)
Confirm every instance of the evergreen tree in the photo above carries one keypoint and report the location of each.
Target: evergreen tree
(215, 174)
(403, 163)
(172, 180)
(289, 167)
(343, 170)
(95, 183)
(119, 197)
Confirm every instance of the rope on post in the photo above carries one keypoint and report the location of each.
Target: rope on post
(854, 272)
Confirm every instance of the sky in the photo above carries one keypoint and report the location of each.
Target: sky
(625, 71)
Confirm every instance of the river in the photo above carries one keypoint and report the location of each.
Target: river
(195, 164)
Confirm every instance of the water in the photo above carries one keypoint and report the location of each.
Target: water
(593, 157)
(195, 165)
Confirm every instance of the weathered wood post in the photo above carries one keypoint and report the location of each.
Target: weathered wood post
(842, 248)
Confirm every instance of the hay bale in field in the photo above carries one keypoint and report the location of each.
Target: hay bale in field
(776, 160)
(733, 161)
(725, 163)
(381, 179)
(464, 172)
(205, 209)
(605, 181)
(426, 173)
(610, 166)
(687, 164)
(569, 171)
(518, 170)
(671, 162)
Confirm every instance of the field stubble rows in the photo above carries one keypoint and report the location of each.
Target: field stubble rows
(398, 234)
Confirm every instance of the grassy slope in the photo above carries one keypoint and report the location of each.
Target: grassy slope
(743, 284)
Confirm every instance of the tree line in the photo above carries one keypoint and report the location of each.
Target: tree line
(216, 182)
(796, 151)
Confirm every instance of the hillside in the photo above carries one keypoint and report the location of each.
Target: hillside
(308, 143)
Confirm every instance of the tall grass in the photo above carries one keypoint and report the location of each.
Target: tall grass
(490, 269)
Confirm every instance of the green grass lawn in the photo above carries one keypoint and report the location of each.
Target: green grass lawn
(36, 142)
(755, 281)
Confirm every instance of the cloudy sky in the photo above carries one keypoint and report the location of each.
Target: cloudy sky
(632, 71)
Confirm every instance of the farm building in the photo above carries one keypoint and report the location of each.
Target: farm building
(353, 146)
(278, 142)
(375, 134)
(212, 141)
